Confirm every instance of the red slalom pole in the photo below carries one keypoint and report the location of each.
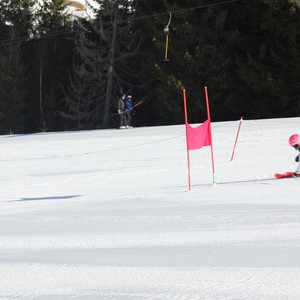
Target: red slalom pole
(187, 149)
(211, 147)
(236, 139)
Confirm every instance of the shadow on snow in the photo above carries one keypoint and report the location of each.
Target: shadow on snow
(48, 198)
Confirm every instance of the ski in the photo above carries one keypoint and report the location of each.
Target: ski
(285, 175)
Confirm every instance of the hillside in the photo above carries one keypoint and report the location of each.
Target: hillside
(106, 214)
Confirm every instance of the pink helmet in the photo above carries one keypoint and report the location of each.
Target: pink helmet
(294, 140)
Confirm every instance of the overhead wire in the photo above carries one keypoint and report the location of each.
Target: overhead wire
(185, 9)
(61, 32)
(28, 38)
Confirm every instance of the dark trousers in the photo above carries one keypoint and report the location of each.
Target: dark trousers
(128, 118)
(123, 119)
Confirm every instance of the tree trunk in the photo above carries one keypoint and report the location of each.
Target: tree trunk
(110, 71)
(41, 95)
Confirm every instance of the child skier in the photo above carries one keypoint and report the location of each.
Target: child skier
(294, 141)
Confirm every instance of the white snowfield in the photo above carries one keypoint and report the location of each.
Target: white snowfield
(107, 214)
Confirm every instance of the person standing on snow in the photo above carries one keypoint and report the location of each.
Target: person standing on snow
(294, 141)
(129, 110)
(121, 112)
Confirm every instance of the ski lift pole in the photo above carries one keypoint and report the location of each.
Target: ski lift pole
(166, 31)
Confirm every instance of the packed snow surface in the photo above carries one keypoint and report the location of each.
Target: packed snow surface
(106, 214)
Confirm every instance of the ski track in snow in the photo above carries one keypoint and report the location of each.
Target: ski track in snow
(106, 214)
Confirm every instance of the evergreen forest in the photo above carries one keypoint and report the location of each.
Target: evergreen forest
(59, 71)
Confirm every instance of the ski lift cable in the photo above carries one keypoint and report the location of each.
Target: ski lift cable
(185, 9)
(26, 38)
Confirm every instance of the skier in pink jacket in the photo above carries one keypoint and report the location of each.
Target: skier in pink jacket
(294, 141)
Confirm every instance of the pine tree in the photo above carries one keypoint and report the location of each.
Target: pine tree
(267, 58)
(51, 52)
(104, 64)
(16, 26)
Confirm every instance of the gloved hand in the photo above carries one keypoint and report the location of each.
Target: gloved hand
(297, 158)
(295, 175)
(119, 112)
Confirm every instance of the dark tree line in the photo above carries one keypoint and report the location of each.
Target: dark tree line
(58, 72)
(246, 52)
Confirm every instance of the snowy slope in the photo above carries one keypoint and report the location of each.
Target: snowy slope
(106, 214)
